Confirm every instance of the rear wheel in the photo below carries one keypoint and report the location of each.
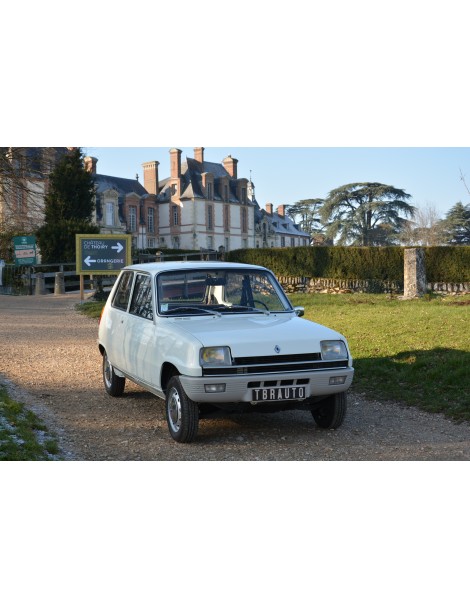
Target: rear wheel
(330, 412)
(113, 383)
(182, 414)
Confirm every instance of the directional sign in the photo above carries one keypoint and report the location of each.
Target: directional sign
(25, 250)
(102, 254)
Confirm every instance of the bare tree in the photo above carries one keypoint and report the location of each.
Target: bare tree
(425, 227)
(24, 174)
(462, 178)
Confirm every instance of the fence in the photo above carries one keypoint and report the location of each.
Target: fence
(22, 280)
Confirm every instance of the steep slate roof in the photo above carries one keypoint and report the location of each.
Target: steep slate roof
(191, 181)
(123, 186)
(282, 225)
(36, 158)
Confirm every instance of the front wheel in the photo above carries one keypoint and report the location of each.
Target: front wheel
(182, 414)
(330, 412)
(113, 383)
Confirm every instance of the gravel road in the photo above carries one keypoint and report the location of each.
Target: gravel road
(50, 361)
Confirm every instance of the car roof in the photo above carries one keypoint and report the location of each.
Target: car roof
(158, 267)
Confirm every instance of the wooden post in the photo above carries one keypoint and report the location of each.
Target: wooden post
(82, 289)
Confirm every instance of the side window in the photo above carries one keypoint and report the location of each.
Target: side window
(121, 297)
(141, 303)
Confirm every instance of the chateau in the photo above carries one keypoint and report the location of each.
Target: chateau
(201, 205)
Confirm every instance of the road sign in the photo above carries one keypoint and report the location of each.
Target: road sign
(102, 254)
(25, 250)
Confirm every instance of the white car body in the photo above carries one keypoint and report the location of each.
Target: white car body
(270, 356)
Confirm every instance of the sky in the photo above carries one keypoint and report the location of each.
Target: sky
(284, 175)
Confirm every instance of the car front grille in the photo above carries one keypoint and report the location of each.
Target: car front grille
(275, 364)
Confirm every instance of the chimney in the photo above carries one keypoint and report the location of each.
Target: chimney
(199, 154)
(90, 164)
(281, 210)
(269, 208)
(230, 166)
(175, 162)
(151, 177)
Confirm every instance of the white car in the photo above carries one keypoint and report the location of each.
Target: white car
(204, 335)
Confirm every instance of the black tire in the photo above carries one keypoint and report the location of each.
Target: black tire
(182, 414)
(330, 412)
(113, 383)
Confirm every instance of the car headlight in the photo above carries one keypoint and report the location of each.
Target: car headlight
(333, 349)
(215, 356)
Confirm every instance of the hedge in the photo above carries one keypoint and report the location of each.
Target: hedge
(443, 264)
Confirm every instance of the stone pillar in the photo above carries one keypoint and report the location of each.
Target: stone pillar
(40, 287)
(415, 273)
(59, 285)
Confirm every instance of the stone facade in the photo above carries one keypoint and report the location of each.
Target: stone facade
(204, 205)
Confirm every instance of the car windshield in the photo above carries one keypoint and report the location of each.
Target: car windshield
(220, 292)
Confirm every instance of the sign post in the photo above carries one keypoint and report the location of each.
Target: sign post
(102, 255)
(25, 250)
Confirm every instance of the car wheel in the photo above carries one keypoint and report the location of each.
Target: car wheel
(113, 383)
(330, 412)
(182, 414)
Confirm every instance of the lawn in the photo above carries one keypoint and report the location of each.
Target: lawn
(415, 351)
(23, 437)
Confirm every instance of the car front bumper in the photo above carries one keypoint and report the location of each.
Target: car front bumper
(261, 388)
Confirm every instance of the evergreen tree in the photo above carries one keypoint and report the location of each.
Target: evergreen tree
(365, 213)
(68, 209)
(457, 224)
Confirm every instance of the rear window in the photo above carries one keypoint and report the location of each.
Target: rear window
(141, 303)
(123, 291)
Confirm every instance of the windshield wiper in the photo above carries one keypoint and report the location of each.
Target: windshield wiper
(238, 308)
(197, 309)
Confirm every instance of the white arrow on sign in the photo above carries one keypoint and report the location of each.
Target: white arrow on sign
(88, 261)
(119, 247)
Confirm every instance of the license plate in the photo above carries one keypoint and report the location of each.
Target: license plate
(273, 394)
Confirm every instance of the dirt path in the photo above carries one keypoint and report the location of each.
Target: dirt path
(49, 356)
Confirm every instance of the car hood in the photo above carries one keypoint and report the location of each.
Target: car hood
(258, 334)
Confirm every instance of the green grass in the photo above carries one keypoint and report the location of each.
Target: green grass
(91, 308)
(415, 351)
(20, 433)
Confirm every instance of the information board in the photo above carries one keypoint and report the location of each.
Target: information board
(102, 254)
(25, 250)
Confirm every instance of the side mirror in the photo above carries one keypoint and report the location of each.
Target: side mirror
(299, 311)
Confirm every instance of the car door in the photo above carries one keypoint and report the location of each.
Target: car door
(140, 335)
(118, 319)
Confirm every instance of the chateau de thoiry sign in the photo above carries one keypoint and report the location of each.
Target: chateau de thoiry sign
(102, 254)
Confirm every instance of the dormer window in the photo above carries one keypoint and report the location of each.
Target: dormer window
(210, 193)
(243, 195)
(225, 192)
(174, 189)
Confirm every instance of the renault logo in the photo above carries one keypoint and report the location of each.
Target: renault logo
(277, 349)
